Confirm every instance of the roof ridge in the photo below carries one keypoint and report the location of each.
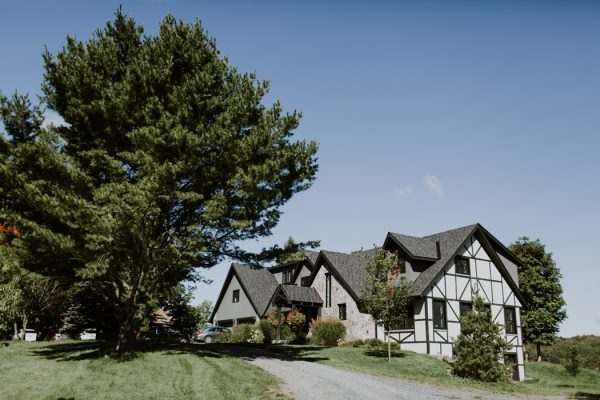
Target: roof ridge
(449, 231)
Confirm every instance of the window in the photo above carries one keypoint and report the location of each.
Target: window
(465, 308)
(287, 276)
(342, 308)
(406, 323)
(305, 281)
(462, 265)
(327, 290)
(439, 314)
(510, 322)
(402, 264)
(236, 295)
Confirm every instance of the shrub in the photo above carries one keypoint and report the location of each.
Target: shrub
(478, 348)
(358, 343)
(296, 320)
(327, 332)
(240, 333)
(256, 336)
(272, 318)
(266, 329)
(373, 343)
(299, 338)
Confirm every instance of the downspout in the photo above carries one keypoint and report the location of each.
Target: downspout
(427, 324)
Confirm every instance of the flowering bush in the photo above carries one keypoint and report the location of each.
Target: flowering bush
(256, 336)
(272, 318)
(296, 320)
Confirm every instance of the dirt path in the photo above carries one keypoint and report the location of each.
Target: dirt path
(314, 381)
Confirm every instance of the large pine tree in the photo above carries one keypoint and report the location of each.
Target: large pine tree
(539, 282)
(168, 159)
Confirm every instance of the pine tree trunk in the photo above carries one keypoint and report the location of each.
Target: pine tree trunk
(538, 348)
(16, 327)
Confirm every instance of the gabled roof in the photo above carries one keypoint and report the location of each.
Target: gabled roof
(298, 294)
(348, 269)
(257, 283)
(416, 247)
(450, 243)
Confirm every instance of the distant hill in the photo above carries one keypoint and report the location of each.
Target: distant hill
(588, 347)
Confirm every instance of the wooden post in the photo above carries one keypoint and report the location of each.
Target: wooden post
(278, 323)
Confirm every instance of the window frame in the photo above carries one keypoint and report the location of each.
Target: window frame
(304, 281)
(235, 296)
(342, 315)
(437, 322)
(327, 290)
(513, 322)
(463, 304)
(457, 261)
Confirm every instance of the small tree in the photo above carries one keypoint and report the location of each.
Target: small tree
(539, 282)
(572, 364)
(386, 295)
(480, 346)
(202, 312)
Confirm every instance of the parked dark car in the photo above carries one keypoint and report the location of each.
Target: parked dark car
(165, 333)
(208, 333)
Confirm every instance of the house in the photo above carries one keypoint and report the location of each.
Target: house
(446, 269)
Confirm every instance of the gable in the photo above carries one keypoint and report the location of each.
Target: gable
(487, 276)
(226, 309)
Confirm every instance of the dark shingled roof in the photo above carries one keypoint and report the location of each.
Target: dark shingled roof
(417, 247)
(450, 241)
(351, 268)
(301, 294)
(258, 283)
(312, 256)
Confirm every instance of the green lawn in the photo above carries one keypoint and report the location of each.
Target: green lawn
(542, 378)
(80, 370)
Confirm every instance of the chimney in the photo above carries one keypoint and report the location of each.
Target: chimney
(437, 248)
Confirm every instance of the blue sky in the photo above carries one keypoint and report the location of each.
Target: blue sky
(430, 115)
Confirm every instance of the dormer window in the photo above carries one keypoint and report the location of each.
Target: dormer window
(462, 265)
(287, 276)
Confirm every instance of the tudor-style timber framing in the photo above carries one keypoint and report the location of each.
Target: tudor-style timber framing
(334, 283)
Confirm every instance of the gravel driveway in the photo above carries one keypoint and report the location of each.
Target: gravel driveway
(314, 381)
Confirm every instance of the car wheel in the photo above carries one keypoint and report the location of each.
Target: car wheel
(208, 339)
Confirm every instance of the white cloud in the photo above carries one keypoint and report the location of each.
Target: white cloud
(404, 192)
(52, 118)
(434, 185)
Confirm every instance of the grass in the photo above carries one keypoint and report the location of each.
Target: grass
(542, 378)
(77, 370)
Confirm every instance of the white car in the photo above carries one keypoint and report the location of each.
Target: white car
(88, 334)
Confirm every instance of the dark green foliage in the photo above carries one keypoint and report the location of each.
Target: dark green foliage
(571, 364)
(480, 346)
(539, 282)
(240, 333)
(327, 332)
(386, 295)
(267, 330)
(299, 338)
(373, 343)
(202, 313)
(588, 349)
(168, 160)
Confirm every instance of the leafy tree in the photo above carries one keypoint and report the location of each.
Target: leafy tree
(167, 161)
(202, 312)
(572, 364)
(539, 282)
(480, 346)
(386, 295)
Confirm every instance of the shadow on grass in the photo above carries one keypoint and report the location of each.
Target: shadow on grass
(383, 353)
(280, 352)
(90, 350)
(586, 396)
